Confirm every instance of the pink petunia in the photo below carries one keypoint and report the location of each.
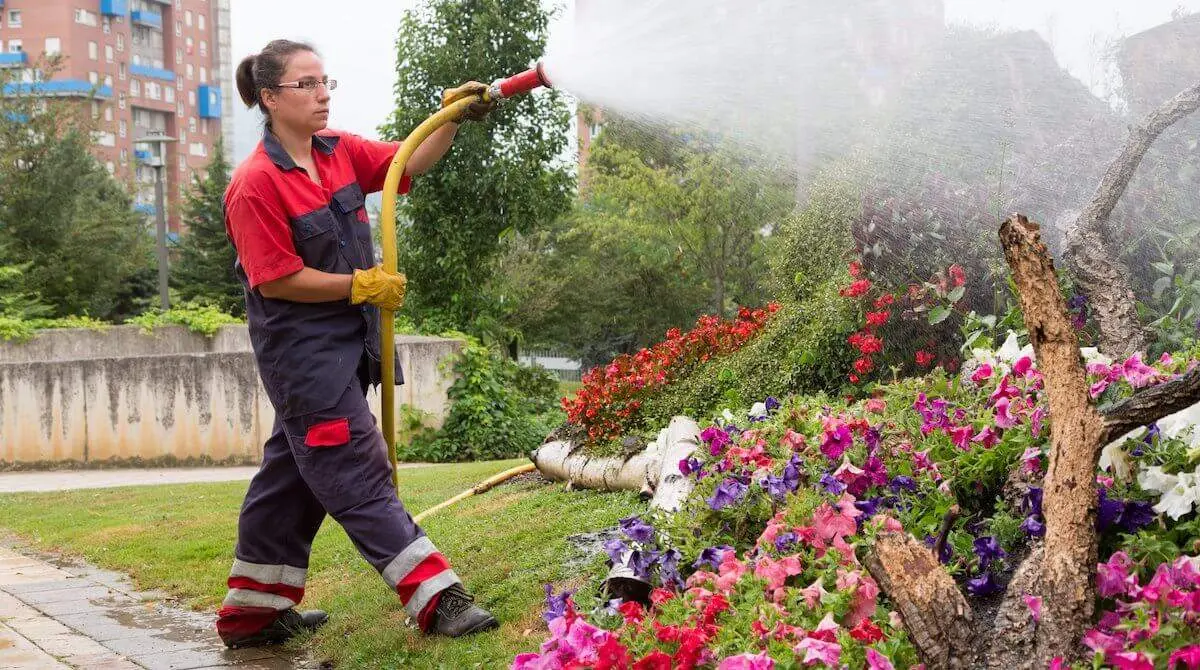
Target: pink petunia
(1130, 660)
(961, 436)
(982, 373)
(748, 661)
(830, 524)
(837, 439)
(877, 661)
(1137, 373)
(819, 651)
(793, 440)
(1004, 417)
(1189, 656)
(1036, 419)
(876, 405)
(1034, 603)
(988, 437)
(1006, 389)
(1097, 641)
(776, 573)
(1112, 577)
(730, 572)
(813, 593)
(1023, 366)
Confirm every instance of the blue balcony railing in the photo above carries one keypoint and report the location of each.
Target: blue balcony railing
(114, 7)
(208, 99)
(65, 88)
(15, 58)
(152, 72)
(144, 18)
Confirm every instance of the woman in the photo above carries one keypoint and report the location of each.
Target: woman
(294, 211)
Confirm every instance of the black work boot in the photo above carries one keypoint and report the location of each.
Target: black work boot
(289, 624)
(457, 614)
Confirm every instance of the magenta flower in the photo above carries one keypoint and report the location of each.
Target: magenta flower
(838, 439)
(1189, 656)
(1035, 420)
(716, 438)
(877, 661)
(987, 437)
(961, 436)
(1130, 660)
(1006, 389)
(1034, 603)
(982, 373)
(1004, 416)
(748, 661)
(1137, 373)
(1023, 366)
(821, 651)
(1112, 577)
(1098, 641)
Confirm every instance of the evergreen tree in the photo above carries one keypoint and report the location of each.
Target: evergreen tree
(205, 269)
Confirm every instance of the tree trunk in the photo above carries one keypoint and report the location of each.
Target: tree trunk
(1069, 497)
(1104, 279)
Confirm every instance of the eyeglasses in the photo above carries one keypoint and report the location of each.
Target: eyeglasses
(310, 84)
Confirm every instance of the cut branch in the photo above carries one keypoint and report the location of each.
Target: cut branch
(1151, 405)
(1104, 279)
(1076, 428)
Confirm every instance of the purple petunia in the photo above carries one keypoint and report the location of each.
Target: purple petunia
(616, 548)
(728, 492)
(903, 482)
(1137, 514)
(983, 585)
(690, 466)
(1032, 502)
(868, 507)
(712, 556)
(636, 529)
(556, 605)
(785, 541)
(772, 404)
(668, 568)
(988, 550)
(779, 486)
(641, 561)
(873, 438)
(1033, 526)
(831, 484)
(1109, 511)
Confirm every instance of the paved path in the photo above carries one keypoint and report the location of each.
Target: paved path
(76, 616)
(65, 480)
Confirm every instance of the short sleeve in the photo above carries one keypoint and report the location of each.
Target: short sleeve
(371, 160)
(263, 239)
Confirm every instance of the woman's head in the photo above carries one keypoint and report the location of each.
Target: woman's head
(287, 82)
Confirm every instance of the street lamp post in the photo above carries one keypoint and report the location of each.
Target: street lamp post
(158, 162)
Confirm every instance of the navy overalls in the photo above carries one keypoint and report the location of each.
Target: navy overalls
(316, 360)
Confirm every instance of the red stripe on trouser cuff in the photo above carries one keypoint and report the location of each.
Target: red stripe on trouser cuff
(292, 593)
(426, 617)
(433, 565)
(234, 623)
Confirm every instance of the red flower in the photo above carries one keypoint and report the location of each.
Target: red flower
(863, 365)
(856, 269)
(957, 276)
(856, 289)
(866, 632)
(612, 655)
(632, 611)
(660, 596)
(924, 358)
(658, 660)
(877, 319)
(884, 301)
(853, 379)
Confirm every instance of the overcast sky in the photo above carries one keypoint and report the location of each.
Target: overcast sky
(357, 40)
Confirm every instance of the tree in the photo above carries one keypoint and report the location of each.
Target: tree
(62, 215)
(502, 175)
(205, 270)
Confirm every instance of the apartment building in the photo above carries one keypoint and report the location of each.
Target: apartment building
(145, 66)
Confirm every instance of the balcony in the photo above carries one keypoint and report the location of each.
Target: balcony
(14, 59)
(144, 208)
(66, 88)
(114, 7)
(208, 99)
(148, 19)
(143, 155)
(151, 72)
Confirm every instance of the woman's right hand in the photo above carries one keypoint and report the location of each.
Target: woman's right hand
(378, 287)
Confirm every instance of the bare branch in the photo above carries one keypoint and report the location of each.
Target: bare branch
(1151, 405)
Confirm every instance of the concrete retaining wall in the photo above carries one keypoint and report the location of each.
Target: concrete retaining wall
(86, 397)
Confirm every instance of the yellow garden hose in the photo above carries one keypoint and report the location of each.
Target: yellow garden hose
(387, 229)
(481, 487)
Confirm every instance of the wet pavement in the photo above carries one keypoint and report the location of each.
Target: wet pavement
(56, 614)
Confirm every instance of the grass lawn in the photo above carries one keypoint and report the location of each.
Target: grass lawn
(505, 544)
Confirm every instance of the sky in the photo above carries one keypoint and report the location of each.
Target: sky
(356, 38)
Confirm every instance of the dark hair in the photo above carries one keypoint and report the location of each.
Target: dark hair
(265, 70)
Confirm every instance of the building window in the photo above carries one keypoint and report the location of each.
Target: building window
(182, 138)
(110, 167)
(95, 110)
(169, 94)
(179, 111)
(121, 72)
(94, 77)
(192, 98)
(108, 80)
(187, 18)
(178, 56)
(203, 49)
(182, 162)
(14, 46)
(93, 51)
(121, 100)
(120, 42)
(200, 21)
(178, 29)
(192, 124)
(135, 88)
(189, 44)
(179, 83)
(124, 127)
(107, 25)
(14, 18)
(203, 75)
(204, 126)
(53, 46)
(108, 113)
(108, 53)
(191, 72)
(87, 18)
(124, 156)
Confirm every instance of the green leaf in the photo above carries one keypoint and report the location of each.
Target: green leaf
(957, 294)
(939, 314)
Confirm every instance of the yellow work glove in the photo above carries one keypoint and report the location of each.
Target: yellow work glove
(378, 287)
(477, 110)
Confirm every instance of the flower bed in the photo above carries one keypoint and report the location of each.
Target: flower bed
(762, 567)
(608, 406)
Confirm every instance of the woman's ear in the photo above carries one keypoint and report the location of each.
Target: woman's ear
(268, 97)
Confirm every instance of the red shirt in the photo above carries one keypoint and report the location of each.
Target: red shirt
(268, 191)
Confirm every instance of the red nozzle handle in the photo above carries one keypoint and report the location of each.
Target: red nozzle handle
(525, 82)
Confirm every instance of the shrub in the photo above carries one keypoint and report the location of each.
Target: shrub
(197, 317)
(496, 411)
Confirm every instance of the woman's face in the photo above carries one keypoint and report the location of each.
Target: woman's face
(305, 110)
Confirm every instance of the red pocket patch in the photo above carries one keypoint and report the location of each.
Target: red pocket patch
(328, 433)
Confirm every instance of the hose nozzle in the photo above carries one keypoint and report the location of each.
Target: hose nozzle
(525, 82)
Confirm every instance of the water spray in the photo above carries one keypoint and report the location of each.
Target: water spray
(518, 84)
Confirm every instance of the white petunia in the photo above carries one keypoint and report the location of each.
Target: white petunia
(1012, 351)
(1113, 458)
(759, 409)
(1154, 479)
(1179, 500)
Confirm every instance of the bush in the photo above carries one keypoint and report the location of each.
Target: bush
(814, 243)
(498, 409)
(197, 317)
(802, 349)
